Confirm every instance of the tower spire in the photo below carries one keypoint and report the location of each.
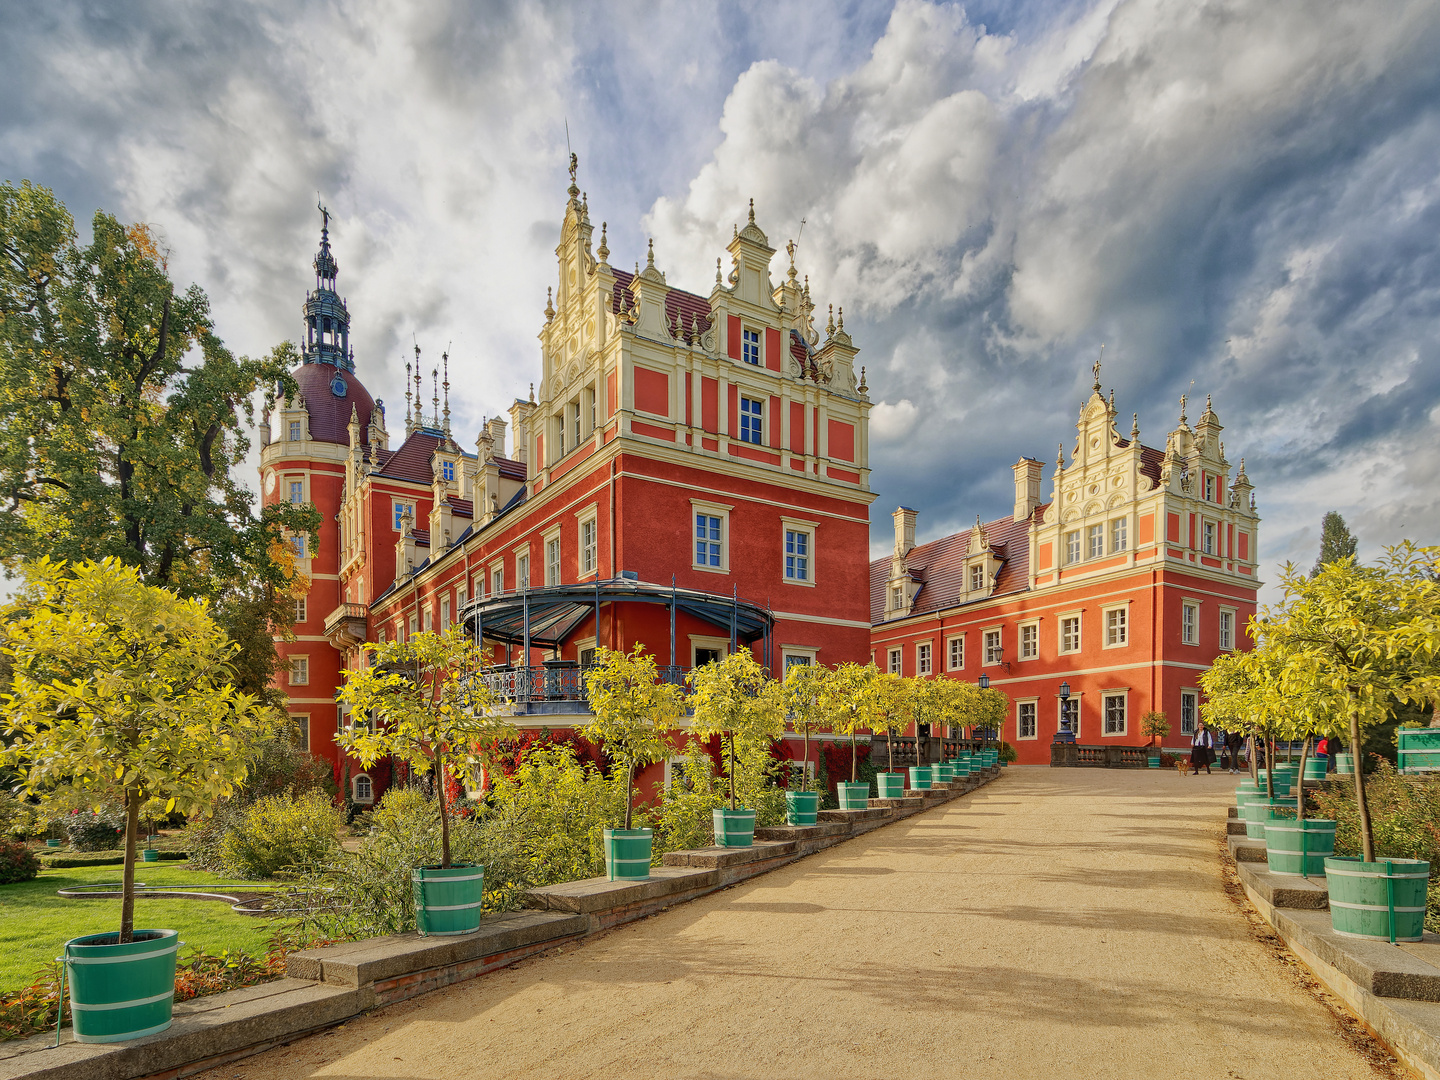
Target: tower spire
(409, 424)
(327, 320)
(445, 361)
(419, 402)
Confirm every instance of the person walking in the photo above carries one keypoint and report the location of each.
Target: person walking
(1202, 750)
(1233, 741)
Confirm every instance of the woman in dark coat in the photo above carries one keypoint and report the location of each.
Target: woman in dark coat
(1202, 750)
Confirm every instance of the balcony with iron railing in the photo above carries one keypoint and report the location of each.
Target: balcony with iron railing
(554, 687)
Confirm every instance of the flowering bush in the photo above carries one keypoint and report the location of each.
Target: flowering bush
(17, 862)
(90, 831)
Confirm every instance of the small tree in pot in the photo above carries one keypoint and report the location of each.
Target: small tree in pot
(1155, 726)
(803, 686)
(430, 710)
(735, 699)
(633, 711)
(850, 701)
(122, 687)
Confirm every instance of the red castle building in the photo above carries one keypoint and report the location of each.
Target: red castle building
(692, 473)
(1091, 609)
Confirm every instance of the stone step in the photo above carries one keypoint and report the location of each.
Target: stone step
(713, 858)
(599, 894)
(1285, 890)
(854, 815)
(897, 804)
(1244, 849)
(801, 833)
(1235, 828)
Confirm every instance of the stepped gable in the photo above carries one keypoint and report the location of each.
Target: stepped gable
(940, 566)
(330, 411)
(677, 302)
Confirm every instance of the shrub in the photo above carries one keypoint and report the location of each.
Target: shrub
(19, 818)
(683, 820)
(279, 832)
(17, 862)
(1007, 752)
(90, 831)
(204, 837)
(96, 858)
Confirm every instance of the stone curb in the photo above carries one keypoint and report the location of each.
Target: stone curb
(326, 987)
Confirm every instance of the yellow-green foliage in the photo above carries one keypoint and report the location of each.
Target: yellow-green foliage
(633, 713)
(684, 819)
(279, 832)
(736, 699)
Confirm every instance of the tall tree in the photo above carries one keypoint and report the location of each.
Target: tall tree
(123, 418)
(1336, 541)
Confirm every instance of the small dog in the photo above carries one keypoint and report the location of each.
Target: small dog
(1182, 766)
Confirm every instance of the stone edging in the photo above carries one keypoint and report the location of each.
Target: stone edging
(325, 987)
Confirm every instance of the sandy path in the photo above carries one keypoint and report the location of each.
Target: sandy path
(1058, 923)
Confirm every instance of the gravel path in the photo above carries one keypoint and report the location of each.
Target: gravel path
(1057, 923)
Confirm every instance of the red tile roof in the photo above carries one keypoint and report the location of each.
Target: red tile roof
(939, 566)
(330, 412)
(677, 301)
(422, 537)
(463, 507)
(412, 460)
(512, 470)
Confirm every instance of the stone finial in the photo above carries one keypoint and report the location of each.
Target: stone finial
(549, 303)
(532, 393)
(841, 325)
(830, 325)
(863, 388)
(718, 279)
(752, 211)
(650, 255)
(1060, 458)
(604, 249)
(1135, 428)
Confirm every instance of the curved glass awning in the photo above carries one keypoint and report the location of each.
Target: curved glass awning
(548, 616)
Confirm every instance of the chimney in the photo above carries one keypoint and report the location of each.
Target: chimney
(904, 530)
(496, 430)
(1027, 487)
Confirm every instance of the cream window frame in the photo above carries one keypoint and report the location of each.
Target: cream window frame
(1224, 631)
(950, 641)
(590, 515)
(299, 669)
(985, 645)
(1105, 698)
(1188, 604)
(716, 510)
(895, 660)
(1105, 627)
(1034, 703)
(925, 657)
(703, 641)
(797, 525)
(1192, 692)
(302, 730)
(1032, 625)
(1060, 621)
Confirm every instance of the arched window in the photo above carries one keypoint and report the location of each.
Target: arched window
(364, 792)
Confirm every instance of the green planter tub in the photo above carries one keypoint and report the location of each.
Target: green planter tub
(890, 784)
(854, 796)
(801, 807)
(1315, 769)
(1345, 764)
(149, 854)
(962, 767)
(1282, 782)
(1384, 899)
(120, 992)
(1257, 813)
(920, 778)
(53, 843)
(1152, 761)
(991, 757)
(448, 902)
(942, 773)
(627, 854)
(1298, 847)
(1419, 750)
(734, 828)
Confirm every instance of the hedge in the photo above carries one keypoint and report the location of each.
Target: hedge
(101, 858)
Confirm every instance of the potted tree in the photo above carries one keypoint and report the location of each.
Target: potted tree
(1154, 726)
(122, 687)
(418, 701)
(633, 711)
(928, 705)
(894, 710)
(803, 686)
(735, 699)
(850, 702)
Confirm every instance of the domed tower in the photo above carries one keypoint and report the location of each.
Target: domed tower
(310, 443)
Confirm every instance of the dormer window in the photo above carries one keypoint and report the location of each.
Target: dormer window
(294, 430)
(750, 346)
(1209, 489)
(447, 470)
(977, 578)
(897, 598)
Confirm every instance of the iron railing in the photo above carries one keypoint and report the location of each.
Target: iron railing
(554, 682)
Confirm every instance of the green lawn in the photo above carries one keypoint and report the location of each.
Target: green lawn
(35, 923)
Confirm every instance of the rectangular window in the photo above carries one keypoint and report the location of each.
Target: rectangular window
(1119, 534)
(707, 540)
(298, 543)
(895, 662)
(1227, 630)
(977, 578)
(1189, 709)
(294, 430)
(922, 659)
(552, 561)
(444, 612)
(1072, 546)
(797, 555)
(1029, 641)
(297, 491)
(299, 670)
(522, 572)
(447, 470)
(797, 660)
(1070, 716)
(1070, 634)
(1117, 626)
(1209, 489)
(575, 423)
(400, 511)
(1208, 538)
(302, 732)
(589, 547)
(1096, 535)
(497, 581)
(1190, 624)
(957, 653)
(460, 596)
(414, 625)
(1025, 720)
(750, 346)
(1114, 714)
(429, 621)
(752, 421)
(897, 598)
(300, 610)
(708, 656)
(994, 650)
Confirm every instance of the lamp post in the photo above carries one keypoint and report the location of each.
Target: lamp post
(1066, 732)
(984, 683)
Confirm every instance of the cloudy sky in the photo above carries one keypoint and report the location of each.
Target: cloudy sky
(1239, 198)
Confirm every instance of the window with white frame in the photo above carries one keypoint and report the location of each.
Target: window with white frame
(299, 670)
(1096, 536)
(364, 789)
(1117, 626)
(297, 491)
(444, 612)
(994, 648)
(1207, 535)
(1029, 641)
(750, 346)
(460, 597)
(895, 661)
(799, 660)
(1190, 623)
(400, 509)
(297, 544)
(897, 597)
(429, 621)
(301, 610)
(956, 653)
(1025, 721)
(1189, 710)
(447, 470)
(302, 730)
(589, 547)
(522, 572)
(1209, 489)
(797, 554)
(414, 625)
(1069, 633)
(709, 539)
(752, 421)
(294, 430)
(1227, 629)
(922, 659)
(977, 578)
(574, 414)
(1119, 534)
(552, 561)
(1072, 546)
(1114, 708)
(497, 581)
